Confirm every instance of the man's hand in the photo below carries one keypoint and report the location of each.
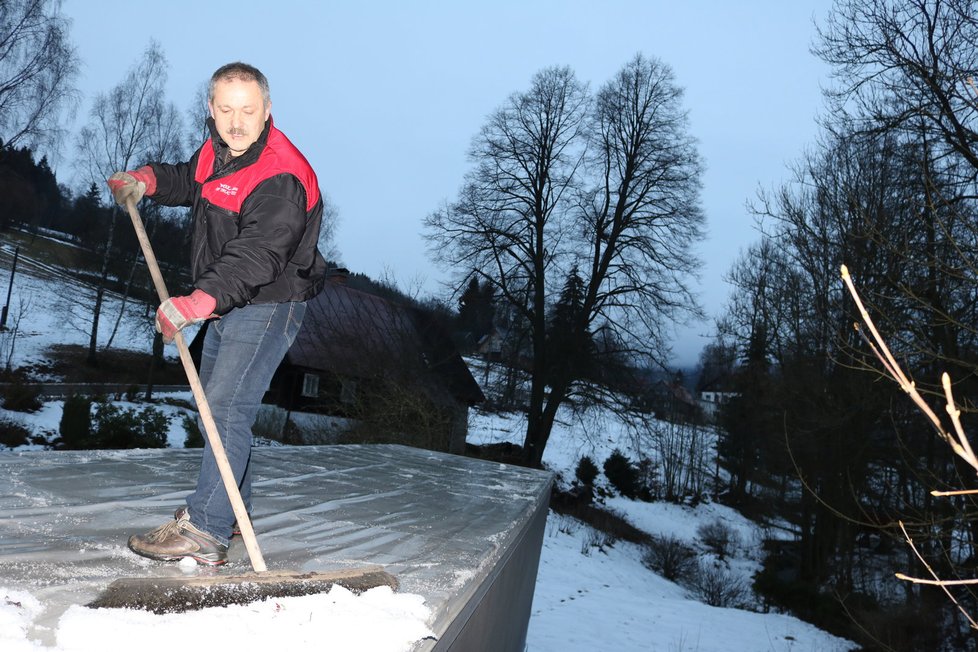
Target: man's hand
(131, 186)
(176, 313)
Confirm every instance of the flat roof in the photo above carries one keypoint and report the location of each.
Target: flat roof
(436, 521)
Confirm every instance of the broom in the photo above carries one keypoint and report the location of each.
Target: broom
(176, 594)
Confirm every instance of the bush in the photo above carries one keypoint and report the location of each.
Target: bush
(718, 537)
(22, 398)
(715, 585)
(670, 558)
(13, 434)
(132, 393)
(195, 438)
(586, 471)
(126, 428)
(76, 423)
(622, 475)
(596, 539)
(648, 479)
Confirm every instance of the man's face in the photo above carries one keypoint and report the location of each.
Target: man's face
(239, 113)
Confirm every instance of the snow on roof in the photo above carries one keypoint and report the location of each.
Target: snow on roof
(437, 522)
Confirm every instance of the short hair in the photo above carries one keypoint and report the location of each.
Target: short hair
(244, 72)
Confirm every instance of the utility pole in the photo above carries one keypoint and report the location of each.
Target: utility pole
(10, 288)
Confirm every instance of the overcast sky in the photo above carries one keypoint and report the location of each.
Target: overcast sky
(384, 98)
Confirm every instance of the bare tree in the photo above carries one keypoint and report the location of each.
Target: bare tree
(905, 72)
(327, 233)
(8, 337)
(607, 185)
(509, 221)
(900, 64)
(38, 66)
(197, 114)
(124, 125)
(164, 143)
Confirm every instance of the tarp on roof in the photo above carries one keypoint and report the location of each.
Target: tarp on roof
(441, 523)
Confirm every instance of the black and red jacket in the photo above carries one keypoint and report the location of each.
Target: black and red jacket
(255, 220)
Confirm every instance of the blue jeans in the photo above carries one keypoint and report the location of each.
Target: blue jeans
(241, 352)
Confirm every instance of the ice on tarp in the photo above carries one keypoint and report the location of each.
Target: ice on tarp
(437, 522)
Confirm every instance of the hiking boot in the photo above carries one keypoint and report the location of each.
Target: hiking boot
(178, 539)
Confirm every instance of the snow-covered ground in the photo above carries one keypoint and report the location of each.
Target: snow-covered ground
(590, 595)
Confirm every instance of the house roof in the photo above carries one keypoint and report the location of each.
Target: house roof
(346, 331)
(353, 333)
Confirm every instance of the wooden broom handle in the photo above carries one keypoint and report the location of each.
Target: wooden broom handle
(203, 407)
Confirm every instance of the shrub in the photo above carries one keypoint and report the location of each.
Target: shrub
(22, 398)
(718, 537)
(126, 428)
(715, 585)
(13, 434)
(596, 539)
(586, 471)
(648, 479)
(195, 439)
(622, 474)
(670, 558)
(269, 423)
(76, 423)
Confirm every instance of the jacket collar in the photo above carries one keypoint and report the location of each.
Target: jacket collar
(250, 155)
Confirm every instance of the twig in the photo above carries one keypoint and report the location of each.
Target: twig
(957, 492)
(955, 414)
(959, 445)
(937, 580)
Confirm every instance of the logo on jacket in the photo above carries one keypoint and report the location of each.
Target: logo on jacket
(227, 189)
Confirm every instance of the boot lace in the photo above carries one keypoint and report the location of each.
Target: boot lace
(174, 527)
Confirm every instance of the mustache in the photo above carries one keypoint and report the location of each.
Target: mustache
(237, 131)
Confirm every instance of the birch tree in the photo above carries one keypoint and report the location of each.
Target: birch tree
(38, 66)
(125, 125)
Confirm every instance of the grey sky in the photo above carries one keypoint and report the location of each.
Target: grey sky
(385, 97)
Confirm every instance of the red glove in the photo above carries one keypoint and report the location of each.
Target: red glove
(176, 313)
(126, 186)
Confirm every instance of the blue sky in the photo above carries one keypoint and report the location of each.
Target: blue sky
(384, 97)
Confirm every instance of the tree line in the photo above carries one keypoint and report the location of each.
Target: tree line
(889, 189)
(127, 125)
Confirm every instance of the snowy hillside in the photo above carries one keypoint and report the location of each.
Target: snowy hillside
(591, 594)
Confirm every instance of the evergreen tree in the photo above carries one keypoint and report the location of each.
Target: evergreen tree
(29, 191)
(745, 418)
(570, 345)
(89, 218)
(50, 198)
(475, 311)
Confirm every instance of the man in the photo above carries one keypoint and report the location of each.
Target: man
(256, 213)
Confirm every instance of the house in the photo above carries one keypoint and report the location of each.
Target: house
(505, 345)
(711, 399)
(670, 400)
(365, 369)
(386, 370)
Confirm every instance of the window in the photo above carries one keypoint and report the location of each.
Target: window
(310, 385)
